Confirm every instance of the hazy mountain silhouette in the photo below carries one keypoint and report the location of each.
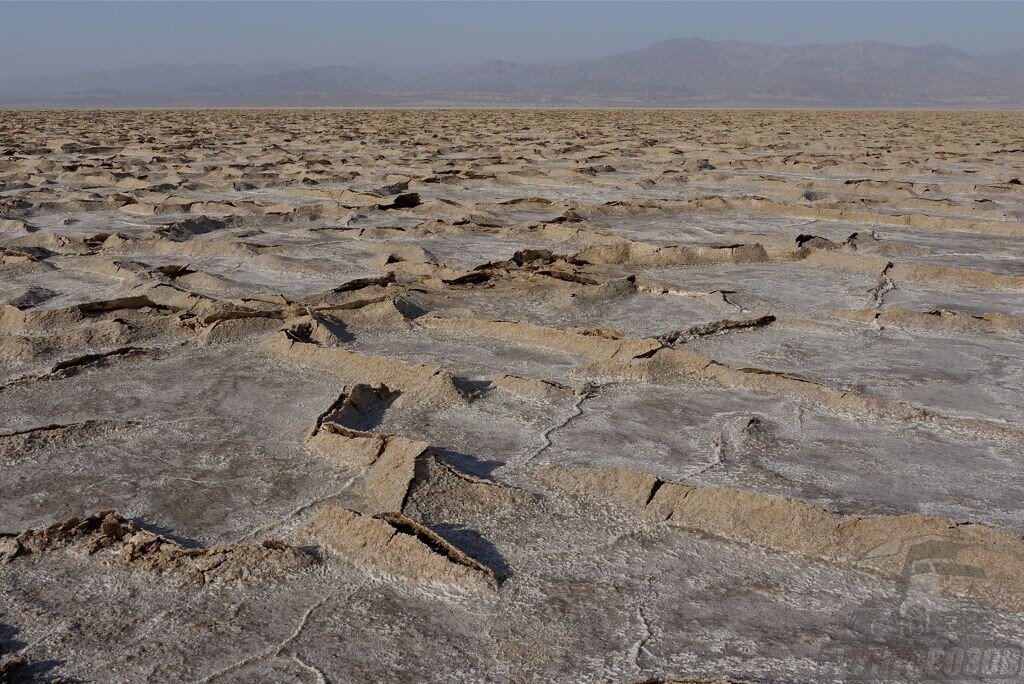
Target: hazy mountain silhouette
(672, 72)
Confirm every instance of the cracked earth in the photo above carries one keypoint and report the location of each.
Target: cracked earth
(347, 396)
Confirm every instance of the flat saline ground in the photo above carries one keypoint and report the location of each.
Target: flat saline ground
(521, 395)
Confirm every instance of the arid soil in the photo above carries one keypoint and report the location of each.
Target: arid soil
(349, 396)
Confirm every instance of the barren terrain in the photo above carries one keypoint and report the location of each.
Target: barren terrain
(348, 396)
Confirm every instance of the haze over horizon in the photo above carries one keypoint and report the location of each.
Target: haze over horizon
(62, 38)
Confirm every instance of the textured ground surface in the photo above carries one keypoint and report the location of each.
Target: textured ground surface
(460, 396)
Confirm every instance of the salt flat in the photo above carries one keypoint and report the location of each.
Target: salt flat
(517, 395)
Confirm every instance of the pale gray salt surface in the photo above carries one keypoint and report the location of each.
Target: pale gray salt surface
(840, 463)
(987, 370)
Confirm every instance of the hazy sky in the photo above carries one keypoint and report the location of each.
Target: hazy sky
(63, 37)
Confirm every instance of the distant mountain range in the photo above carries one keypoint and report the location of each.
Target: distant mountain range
(680, 72)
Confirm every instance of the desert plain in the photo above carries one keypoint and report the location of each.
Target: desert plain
(518, 395)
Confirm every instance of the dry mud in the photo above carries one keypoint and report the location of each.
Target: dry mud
(346, 396)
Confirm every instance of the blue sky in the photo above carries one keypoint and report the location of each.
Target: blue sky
(38, 38)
